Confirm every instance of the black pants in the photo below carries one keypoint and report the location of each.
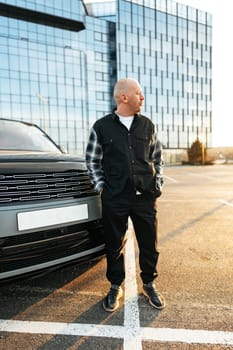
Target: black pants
(142, 211)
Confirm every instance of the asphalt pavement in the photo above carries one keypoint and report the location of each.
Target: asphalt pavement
(63, 308)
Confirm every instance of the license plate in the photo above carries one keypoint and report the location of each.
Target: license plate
(54, 216)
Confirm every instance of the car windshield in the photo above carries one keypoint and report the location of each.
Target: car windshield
(24, 137)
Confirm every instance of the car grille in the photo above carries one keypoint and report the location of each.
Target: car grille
(44, 186)
(27, 250)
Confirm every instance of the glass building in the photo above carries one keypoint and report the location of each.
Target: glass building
(59, 61)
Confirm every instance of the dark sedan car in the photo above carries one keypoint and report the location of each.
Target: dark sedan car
(49, 212)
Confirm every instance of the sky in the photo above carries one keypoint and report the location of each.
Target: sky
(222, 68)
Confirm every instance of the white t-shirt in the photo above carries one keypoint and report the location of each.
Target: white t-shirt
(127, 121)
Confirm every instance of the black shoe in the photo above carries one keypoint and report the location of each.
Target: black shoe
(111, 301)
(154, 297)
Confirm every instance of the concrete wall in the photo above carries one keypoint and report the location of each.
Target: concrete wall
(214, 154)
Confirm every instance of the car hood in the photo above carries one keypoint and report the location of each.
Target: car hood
(34, 157)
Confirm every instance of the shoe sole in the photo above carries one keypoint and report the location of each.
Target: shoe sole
(117, 303)
(155, 306)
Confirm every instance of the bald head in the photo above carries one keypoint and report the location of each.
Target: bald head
(123, 86)
(128, 96)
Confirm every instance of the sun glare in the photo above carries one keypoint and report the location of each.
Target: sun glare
(222, 72)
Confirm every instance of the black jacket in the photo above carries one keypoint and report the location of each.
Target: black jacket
(119, 159)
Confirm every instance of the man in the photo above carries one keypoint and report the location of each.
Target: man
(124, 161)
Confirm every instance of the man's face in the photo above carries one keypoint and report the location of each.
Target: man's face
(134, 97)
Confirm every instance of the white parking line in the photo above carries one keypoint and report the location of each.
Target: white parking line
(188, 336)
(131, 340)
(130, 332)
(203, 176)
(225, 202)
(170, 178)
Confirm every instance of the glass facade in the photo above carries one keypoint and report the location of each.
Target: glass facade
(58, 70)
(167, 47)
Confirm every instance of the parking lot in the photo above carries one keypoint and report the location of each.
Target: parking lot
(62, 309)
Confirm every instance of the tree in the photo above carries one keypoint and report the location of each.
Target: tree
(197, 153)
